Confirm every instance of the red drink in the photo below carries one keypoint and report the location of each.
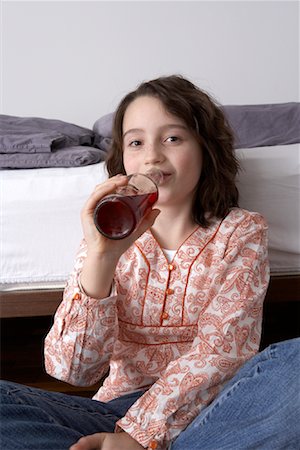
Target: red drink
(117, 216)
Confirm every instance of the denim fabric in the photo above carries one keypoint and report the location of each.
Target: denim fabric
(35, 419)
(258, 409)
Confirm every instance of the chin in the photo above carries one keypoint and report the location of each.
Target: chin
(163, 200)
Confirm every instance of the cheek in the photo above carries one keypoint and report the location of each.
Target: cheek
(130, 163)
(191, 165)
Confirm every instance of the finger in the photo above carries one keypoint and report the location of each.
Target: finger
(101, 190)
(114, 179)
(111, 183)
(91, 442)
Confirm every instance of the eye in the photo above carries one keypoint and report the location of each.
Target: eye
(172, 139)
(135, 143)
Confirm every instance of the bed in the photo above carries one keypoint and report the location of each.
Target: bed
(41, 203)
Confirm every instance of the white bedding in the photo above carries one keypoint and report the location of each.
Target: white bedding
(270, 184)
(40, 223)
(40, 214)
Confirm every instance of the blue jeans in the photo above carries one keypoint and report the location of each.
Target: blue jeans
(38, 420)
(258, 409)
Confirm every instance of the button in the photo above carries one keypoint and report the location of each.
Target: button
(77, 296)
(170, 291)
(153, 445)
(165, 315)
(171, 267)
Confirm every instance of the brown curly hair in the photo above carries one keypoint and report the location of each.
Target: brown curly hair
(216, 191)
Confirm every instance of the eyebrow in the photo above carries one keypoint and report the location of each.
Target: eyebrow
(164, 127)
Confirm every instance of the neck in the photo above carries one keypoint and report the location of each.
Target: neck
(172, 227)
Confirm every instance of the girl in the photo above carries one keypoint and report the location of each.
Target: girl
(172, 311)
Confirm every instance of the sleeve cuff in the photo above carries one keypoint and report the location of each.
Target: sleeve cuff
(149, 442)
(80, 294)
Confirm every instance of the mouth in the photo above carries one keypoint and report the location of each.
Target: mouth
(165, 177)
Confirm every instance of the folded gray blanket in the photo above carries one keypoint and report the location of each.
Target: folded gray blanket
(33, 142)
(67, 157)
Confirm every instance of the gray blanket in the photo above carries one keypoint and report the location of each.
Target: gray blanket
(33, 142)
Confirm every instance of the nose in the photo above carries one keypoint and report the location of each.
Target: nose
(153, 154)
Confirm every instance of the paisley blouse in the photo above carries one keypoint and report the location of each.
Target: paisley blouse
(177, 329)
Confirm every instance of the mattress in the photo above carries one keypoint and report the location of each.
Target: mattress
(269, 183)
(40, 223)
(40, 214)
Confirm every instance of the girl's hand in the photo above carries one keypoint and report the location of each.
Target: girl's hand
(107, 441)
(103, 254)
(93, 238)
(96, 242)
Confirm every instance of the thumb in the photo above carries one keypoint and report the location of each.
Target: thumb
(91, 442)
(147, 222)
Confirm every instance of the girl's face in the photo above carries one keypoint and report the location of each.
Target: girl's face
(152, 137)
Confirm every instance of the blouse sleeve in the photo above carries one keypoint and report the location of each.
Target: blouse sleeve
(229, 331)
(79, 345)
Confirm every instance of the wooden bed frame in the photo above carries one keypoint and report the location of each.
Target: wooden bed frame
(284, 288)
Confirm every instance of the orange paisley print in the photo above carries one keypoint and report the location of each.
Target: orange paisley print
(178, 330)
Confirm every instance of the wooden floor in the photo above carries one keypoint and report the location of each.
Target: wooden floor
(22, 346)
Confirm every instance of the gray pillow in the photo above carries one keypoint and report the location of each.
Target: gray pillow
(264, 125)
(253, 125)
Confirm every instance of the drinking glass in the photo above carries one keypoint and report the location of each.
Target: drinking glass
(117, 215)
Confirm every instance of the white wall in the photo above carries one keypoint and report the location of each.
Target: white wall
(75, 60)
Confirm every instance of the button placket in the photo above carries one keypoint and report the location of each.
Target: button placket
(169, 291)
